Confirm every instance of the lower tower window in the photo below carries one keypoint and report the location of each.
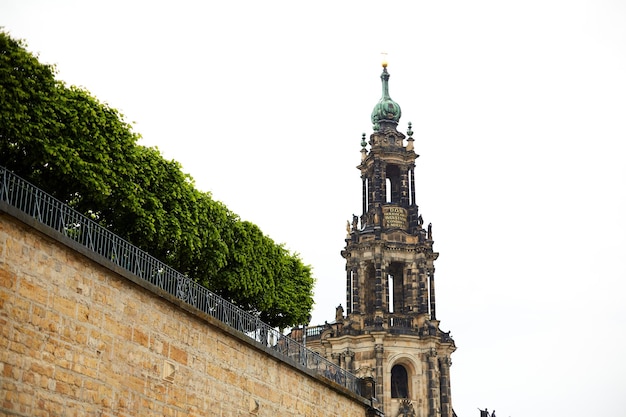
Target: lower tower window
(399, 382)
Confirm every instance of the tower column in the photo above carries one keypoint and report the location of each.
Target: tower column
(404, 197)
(422, 282)
(413, 287)
(431, 284)
(379, 287)
(406, 289)
(384, 272)
(365, 289)
(383, 183)
(433, 384)
(355, 291)
(446, 406)
(412, 185)
(364, 186)
(349, 290)
(379, 371)
(376, 188)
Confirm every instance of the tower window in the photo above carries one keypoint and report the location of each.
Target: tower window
(395, 289)
(399, 382)
(392, 184)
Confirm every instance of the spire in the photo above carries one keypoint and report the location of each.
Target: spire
(387, 112)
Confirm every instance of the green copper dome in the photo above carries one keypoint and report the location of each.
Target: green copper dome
(386, 110)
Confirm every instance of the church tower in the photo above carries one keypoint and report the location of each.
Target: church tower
(390, 331)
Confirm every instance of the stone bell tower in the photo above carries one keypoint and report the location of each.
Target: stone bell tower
(390, 330)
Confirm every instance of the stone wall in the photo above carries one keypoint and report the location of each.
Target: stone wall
(78, 339)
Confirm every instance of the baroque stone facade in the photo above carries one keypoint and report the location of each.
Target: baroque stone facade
(390, 331)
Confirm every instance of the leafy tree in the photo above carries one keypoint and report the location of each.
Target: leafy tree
(84, 153)
(292, 301)
(50, 133)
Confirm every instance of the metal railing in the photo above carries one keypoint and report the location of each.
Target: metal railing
(56, 215)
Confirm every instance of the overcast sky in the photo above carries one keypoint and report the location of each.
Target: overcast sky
(519, 114)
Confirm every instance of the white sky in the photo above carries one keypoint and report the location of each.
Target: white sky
(519, 114)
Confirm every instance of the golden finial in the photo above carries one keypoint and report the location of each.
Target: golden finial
(384, 54)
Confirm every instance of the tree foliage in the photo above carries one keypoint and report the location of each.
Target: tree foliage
(83, 152)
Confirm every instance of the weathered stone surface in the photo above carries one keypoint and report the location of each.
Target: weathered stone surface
(78, 339)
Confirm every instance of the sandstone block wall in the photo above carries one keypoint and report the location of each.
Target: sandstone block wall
(77, 339)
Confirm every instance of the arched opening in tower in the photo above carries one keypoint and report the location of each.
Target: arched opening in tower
(395, 288)
(392, 184)
(399, 382)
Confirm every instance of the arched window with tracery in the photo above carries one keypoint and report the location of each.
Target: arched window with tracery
(399, 382)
